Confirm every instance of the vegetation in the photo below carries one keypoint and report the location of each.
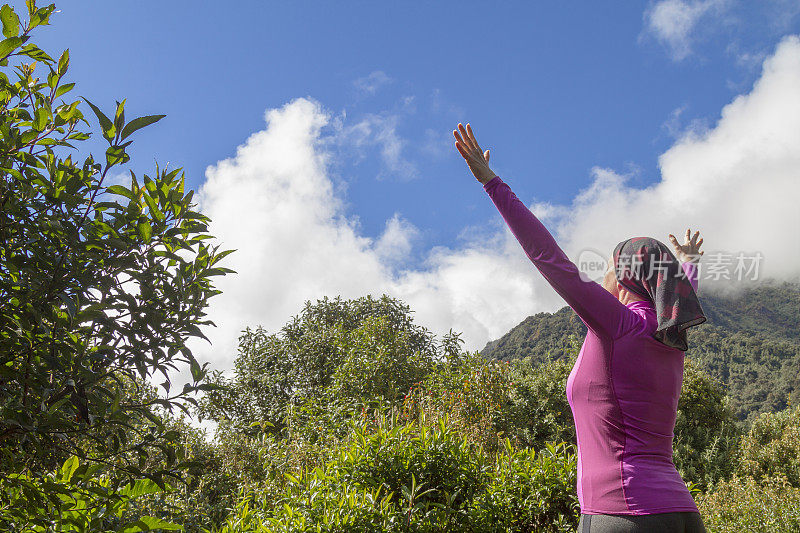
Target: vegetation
(350, 418)
(101, 286)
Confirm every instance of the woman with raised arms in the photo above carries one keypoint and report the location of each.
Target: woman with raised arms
(624, 387)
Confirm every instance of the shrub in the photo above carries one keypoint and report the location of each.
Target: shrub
(101, 284)
(529, 492)
(706, 433)
(772, 447)
(469, 392)
(744, 504)
(361, 351)
(87, 500)
(413, 477)
(538, 411)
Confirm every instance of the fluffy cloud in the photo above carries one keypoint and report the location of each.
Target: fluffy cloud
(275, 202)
(738, 181)
(673, 22)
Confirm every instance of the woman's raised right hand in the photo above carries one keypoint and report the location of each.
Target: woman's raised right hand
(477, 160)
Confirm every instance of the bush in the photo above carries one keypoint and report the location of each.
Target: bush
(87, 500)
(102, 285)
(413, 477)
(772, 448)
(744, 504)
(538, 411)
(529, 492)
(361, 351)
(469, 392)
(706, 432)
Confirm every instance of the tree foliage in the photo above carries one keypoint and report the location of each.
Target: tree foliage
(357, 351)
(411, 477)
(102, 285)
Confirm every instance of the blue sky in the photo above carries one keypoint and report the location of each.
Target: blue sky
(553, 88)
(576, 100)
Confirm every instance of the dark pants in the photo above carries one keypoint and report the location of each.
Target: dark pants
(651, 523)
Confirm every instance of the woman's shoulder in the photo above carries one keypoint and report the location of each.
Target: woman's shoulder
(643, 319)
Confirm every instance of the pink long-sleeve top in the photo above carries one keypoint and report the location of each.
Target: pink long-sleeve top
(623, 389)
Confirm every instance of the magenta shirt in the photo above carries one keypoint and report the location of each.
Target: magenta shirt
(623, 389)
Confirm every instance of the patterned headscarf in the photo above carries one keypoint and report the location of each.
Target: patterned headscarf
(647, 267)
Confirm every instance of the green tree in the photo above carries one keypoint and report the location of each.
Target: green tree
(706, 430)
(538, 411)
(772, 448)
(100, 285)
(356, 351)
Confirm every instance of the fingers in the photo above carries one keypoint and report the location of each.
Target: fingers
(688, 236)
(699, 243)
(486, 155)
(462, 146)
(694, 238)
(465, 144)
(466, 153)
(472, 137)
(674, 241)
(467, 138)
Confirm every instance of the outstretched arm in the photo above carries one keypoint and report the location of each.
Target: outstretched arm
(600, 310)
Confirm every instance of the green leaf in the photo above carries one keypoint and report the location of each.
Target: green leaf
(197, 371)
(139, 488)
(64, 89)
(105, 123)
(71, 307)
(34, 52)
(123, 191)
(154, 210)
(68, 468)
(148, 523)
(40, 120)
(40, 17)
(79, 136)
(119, 116)
(139, 123)
(9, 45)
(63, 62)
(145, 230)
(10, 21)
(116, 155)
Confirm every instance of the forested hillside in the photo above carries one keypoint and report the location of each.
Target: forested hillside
(750, 343)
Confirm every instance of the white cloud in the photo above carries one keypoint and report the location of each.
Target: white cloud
(674, 22)
(395, 243)
(275, 202)
(371, 83)
(380, 130)
(738, 182)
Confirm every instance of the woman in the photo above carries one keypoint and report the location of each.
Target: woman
(624, 387)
